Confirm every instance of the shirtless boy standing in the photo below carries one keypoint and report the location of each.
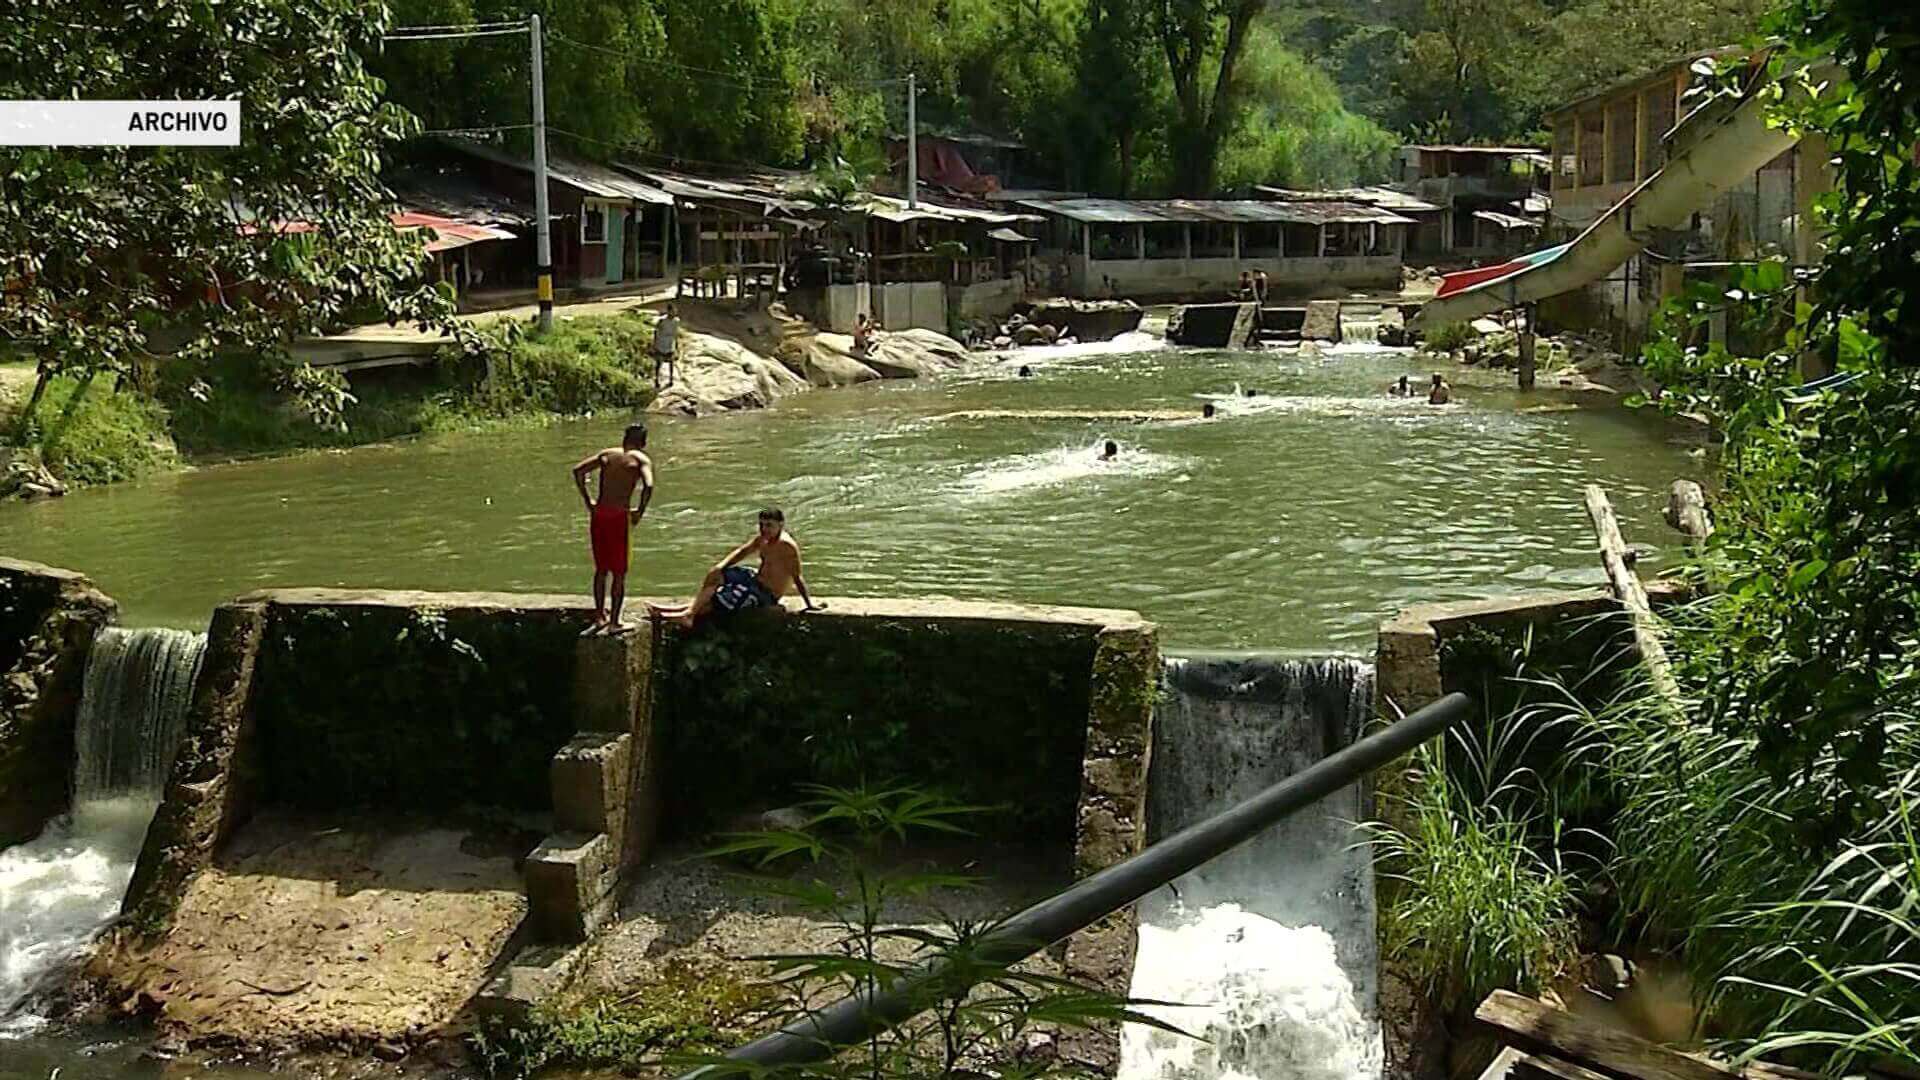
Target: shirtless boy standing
(622, 468)
(730, 588)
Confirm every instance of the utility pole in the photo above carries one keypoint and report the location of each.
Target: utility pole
(913, 146)
(542, 227)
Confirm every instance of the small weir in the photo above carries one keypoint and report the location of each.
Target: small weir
(58, 891)
(1270, 948)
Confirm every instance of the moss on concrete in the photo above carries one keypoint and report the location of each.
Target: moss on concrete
(414, 707)
(989, 712)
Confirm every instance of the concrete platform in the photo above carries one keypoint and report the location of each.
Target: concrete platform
(307, 933)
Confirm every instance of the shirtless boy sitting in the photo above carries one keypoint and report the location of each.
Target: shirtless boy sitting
(729, 588)
(622, 468)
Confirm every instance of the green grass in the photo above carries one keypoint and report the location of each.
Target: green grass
(584, 365)
(1450, 336)
(1471, 904)
(95, 436)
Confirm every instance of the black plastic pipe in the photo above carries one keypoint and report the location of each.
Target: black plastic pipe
(853, 1019)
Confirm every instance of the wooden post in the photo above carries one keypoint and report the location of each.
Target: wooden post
(1528, 340)
(1687, 512)
(1632, 595)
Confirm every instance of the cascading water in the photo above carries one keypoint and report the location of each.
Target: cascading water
(1356, 330)
(59, 890)
(1270, 948)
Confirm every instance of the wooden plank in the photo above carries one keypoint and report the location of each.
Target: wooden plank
(1687, 512)
(1615, 1054)
(1541, 1067)
(1632, 595)
(1503, 1064)
(1246, 323)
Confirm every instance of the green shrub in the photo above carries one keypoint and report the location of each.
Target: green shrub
(1471, 906)
(1450, 336)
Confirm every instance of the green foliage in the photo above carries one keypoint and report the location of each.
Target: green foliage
(994, 716)
(89, 432)
(1450, 336)
(584, 365)
(1473, 906)
(1295, 131)
(397, 708)
(685, 1007)
(1852, 936)
(115, 256)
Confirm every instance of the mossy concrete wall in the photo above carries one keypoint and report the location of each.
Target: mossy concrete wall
(343, 701)
(48, 618)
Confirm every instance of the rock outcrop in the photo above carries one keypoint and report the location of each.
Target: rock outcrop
(714, 374)
(1089, 320)
(911, 354)
(23, 476)
(825, 360)
(48, 619)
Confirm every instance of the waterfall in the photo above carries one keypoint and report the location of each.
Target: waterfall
(58, 891)
(1355, 330)
(1269, 948)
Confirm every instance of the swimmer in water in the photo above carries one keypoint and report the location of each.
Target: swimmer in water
(1400, 389)
(1026, 372)
(1110, 451)
(1251, 392)
(1440, 393)
(1207, 411)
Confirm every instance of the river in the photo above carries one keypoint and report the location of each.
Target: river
(1294, 520)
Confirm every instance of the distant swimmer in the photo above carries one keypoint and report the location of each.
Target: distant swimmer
(1400, 389)
(622, 469)
(862, 335)
(1440, 393)
(1026, 372)
(1110, 451)
(1251, 392)
(1207, 411)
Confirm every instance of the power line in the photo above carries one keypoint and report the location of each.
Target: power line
(488, 129)
(495, 25)
(771, 81)
(452, 34)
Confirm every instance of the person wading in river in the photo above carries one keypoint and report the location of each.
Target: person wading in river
(728, 588)
(622, 469)
(1441, 393)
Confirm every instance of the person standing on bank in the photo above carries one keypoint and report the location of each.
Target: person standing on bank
(622, 469)
(666, 341)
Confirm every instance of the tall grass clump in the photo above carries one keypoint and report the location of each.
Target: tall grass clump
(1847, 952)
(1475, 854)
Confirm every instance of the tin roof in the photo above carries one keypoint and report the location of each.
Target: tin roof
(1505, 221)
(1498, 151)
(597, 180)
(1255, 211)
(1385, 198)
(890, 208)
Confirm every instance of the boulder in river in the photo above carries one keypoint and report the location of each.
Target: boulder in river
(714, 374)
(825, 360)
(910, 354)
(1089, 320)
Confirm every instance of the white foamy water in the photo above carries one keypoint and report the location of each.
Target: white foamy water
(1066, 464)
(1263, 1002)
(57, 892)
(1271, 947)
(61, 889)
(1133, 341)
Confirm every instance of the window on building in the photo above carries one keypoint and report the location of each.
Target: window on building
(1621, 163)
(1213, 240)
(1113, 242)
(593, 223)
(1660, 120)
(1260, 241)
(1563, 159)
(1593, 136)
(1166, 241)
(1303, 241)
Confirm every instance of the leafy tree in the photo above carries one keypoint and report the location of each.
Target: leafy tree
(1294, 130)
(1458, 74)
(1120, 83)
(1204, 41)
(121, 256)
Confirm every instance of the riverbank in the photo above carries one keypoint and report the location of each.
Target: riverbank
(83, 434)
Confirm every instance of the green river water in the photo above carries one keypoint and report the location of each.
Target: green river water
(1293, 521)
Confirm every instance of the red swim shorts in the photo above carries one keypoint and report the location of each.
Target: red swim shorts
(609, 534)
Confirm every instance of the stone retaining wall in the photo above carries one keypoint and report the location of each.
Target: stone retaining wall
(48, 618)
